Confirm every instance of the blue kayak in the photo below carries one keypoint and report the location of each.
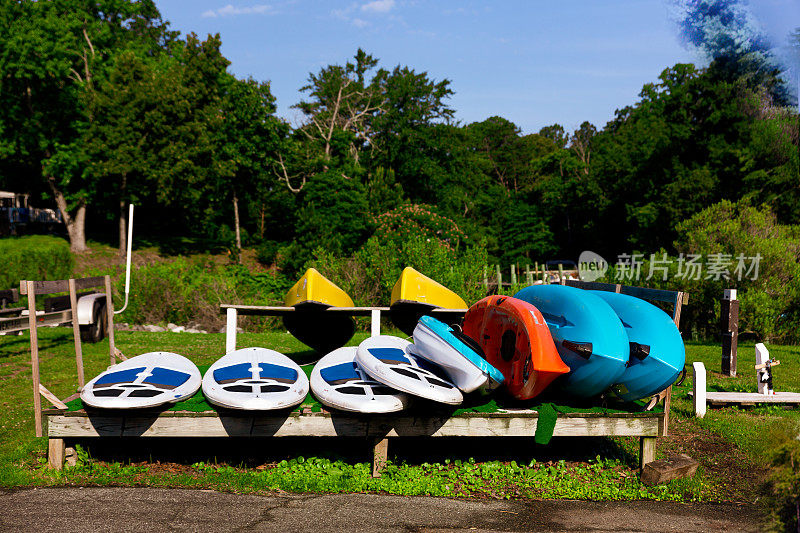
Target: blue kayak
(657, 354)
(588, 335)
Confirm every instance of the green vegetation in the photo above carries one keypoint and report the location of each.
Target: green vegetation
(35, 257)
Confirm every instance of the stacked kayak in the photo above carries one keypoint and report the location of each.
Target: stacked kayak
(415, 295)
(516, 341)
(657, 354)
(587, 333)
(309, 323)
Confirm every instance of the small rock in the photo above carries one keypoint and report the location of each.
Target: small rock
(239, 330)
(153, 329)
(171, 326)
(191, 330)
(178, 329)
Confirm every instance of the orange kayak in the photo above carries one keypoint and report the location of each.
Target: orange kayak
(516, 341)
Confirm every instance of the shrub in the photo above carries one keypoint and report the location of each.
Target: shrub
(37, 257)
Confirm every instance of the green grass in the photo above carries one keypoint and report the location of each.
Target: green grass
(730, 443)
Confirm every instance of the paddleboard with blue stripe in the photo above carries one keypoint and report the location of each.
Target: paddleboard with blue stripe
(255, 379)
(147, 380)
(339, 382)
(390, 361)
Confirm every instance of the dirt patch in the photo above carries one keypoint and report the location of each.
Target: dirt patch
(722, 459)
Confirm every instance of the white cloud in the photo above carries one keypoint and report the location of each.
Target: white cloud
(378, 6)
(359, 23)
(230, 10)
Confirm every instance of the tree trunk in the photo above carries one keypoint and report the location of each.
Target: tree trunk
(123, 229)
(236, 224)
(76, 227)
(261, 228)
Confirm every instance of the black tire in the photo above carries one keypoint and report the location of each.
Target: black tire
(96, 331)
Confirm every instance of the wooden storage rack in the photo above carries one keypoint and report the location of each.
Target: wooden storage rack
(63, 425)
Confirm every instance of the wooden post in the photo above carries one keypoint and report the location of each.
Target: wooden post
(230, 330)
(375, 323)
(762, 356)
(55, 453)
(37, 401)
(729, 324)
(485, 277)
(76, 332)
(561, 279)
(699, 389)
(112, 348)
(499, 280)
(380, 455)
(528, 274)
(513, 275)
(647, 451)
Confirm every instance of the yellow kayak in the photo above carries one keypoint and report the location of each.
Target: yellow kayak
(414, 294)
(314, 288)
(310, 323)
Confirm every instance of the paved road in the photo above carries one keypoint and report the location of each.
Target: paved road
(146, 509)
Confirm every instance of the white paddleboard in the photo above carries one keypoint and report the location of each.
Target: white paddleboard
(459, 356)
(255, 379)
(147, 380)
(388, 360)
(339, 382)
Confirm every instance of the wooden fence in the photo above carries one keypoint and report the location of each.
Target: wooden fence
(494, 275)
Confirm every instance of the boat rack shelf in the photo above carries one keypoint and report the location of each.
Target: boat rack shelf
(64, 426)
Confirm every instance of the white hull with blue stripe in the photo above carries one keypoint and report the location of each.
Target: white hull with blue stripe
(389, 360)
(255, 379)
(461, 357)
(339, 382)
(147, 380)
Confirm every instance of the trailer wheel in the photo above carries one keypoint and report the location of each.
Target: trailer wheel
(96, 331)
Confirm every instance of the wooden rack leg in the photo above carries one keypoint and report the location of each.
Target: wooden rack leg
(380, 455)
(647, 450)
(37, 401)
(55, 453)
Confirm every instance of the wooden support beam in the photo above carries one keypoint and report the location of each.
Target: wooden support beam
(699, 389)
(729, 325)
(110, 318)
(76, 332)
(37, 401)
(380, 455)
(231, 321)
(52, 398)
(647, 450)
(55, 453)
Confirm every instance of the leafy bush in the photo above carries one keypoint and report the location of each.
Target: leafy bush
(731, 235)
(37, 257)
(187, 291)
(409, 222)
(369, 275)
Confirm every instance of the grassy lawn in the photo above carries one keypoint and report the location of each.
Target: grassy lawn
(733, 445)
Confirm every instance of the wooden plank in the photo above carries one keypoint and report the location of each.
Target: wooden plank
(55, 453)
(62, 285)
(698, 392)
(752, 397)
(663, 470)
(593, 285)
(76, 332)
(380, 456)
(268, 310)
(72, 425)
(659, 295)
(37, 401)
(52, 398)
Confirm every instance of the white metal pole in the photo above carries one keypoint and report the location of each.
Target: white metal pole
(230, 330)
(375, 328)
(128, 260)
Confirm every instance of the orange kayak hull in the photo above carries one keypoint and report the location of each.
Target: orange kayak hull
(516, 341)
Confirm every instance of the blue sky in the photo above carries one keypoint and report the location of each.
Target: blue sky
(534, 62)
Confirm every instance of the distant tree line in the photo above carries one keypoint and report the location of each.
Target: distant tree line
(101, 104)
